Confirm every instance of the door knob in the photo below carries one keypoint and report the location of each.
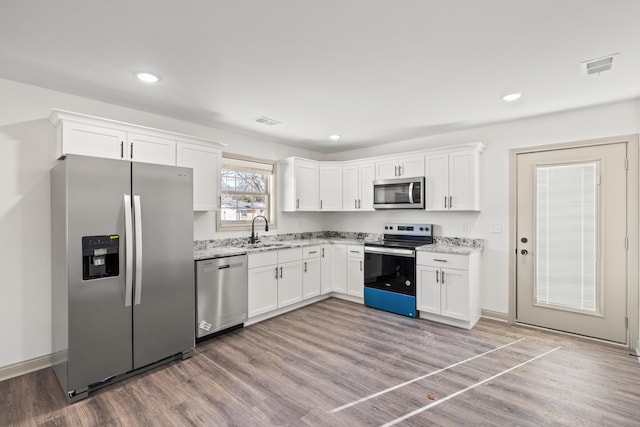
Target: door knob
(524, 252)
(524, 240)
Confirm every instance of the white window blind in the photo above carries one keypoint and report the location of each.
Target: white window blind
(566, 230)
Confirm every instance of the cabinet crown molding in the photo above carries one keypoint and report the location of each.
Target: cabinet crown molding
(58, 116)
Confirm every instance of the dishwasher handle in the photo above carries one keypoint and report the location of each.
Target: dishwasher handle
(208, 268)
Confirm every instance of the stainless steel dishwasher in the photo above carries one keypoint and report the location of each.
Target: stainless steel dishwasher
(221, 294)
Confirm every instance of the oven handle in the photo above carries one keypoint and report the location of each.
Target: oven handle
(389, 251)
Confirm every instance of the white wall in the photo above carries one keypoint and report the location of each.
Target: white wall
(589, 123)
(28, 153)
(28, 142)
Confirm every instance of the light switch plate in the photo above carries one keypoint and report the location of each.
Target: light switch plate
(495, 227)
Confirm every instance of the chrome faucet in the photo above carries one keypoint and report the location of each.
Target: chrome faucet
(254, 236)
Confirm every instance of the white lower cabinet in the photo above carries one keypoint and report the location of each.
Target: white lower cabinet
(327, 269)
(340, 268)
(448, 288)
(311, 274)
(355, 270)
(275, 280)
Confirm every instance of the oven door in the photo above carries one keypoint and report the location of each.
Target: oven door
(406, 193)
(390, 269)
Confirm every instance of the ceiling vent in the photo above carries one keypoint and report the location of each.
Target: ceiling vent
(598, 65)
(267, 121)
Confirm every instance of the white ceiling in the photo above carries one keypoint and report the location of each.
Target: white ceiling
(373, 71)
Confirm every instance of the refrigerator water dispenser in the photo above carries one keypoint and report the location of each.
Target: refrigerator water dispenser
(100, 256)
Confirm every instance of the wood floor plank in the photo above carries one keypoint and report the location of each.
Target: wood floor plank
(294, 369)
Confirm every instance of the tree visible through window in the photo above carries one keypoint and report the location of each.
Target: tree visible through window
(245, 191)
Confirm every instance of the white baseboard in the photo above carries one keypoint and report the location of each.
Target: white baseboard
(494, 315)
(21, 368)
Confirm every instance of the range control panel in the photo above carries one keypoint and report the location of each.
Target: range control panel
(409, 229)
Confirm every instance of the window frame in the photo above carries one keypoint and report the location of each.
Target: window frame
(271, 194)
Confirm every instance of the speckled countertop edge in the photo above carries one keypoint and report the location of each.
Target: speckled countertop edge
(231, 247)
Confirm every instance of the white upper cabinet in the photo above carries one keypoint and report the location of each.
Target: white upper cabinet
(330, 181)
(400, 167)
(89, 140)
(298, 184)
(452, 180)
(205, 162)
(97, 137)
(357, 186)
(151, 149)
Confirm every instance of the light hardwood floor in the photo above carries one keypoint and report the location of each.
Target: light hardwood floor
(293, 370)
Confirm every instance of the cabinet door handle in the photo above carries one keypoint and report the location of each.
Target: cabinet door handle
(131, 152)
(445, 202)
(322, 252)
(305, 266)
(122, 149)
(450, 202)
(281, 272)
(320, 204)
(355, 203)
(442, 277)
(440, 260)
(437, 276)
(395, 170)
(313, 252)
(359, 204)
(360, 265)
(297, 203)
(220, 201)
(276, 272)
(400, 170)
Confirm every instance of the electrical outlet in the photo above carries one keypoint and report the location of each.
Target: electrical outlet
(495, 227)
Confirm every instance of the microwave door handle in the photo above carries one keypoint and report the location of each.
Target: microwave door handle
(411, 193)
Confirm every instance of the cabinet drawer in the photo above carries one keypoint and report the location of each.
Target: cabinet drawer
(355, 250)
(288, 255)
(262, 259)
(311, 252)
(459, 262)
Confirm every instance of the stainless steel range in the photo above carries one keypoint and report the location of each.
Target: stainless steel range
(390, 267)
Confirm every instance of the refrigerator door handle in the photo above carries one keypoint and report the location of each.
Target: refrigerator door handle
(138, 229)
(128, 242)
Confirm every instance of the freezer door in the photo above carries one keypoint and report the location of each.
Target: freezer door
(164, 290)
(99, 320)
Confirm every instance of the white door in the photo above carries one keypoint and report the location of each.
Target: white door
(355, 273)
(310, 278)
(350, 188)
(340, 268)
(461, 180)
(289, 283)
(330, 188)
(428, 291)
(454, 300)
(263, 290)
(571, 240)
(151, 149)
(411, 167)
(326, 269)
(437, 182)
(367, 174)
(307, 190)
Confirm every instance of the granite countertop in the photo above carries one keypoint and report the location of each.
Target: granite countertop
(448, 248)
(225, 251)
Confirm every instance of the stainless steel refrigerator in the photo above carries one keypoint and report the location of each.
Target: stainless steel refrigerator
(122, 269)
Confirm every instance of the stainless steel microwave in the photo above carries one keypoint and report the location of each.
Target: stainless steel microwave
(403, 193)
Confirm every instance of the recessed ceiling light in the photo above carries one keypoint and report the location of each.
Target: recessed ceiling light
(147, 77)
(512, 97)
(334, 137)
